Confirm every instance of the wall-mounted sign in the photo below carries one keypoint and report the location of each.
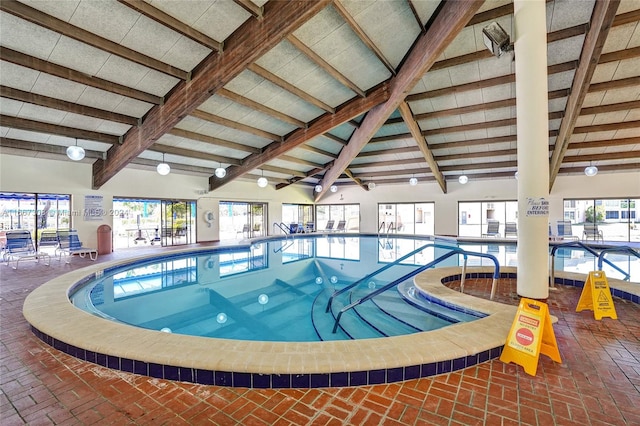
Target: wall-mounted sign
(93, 207)
(537, 207)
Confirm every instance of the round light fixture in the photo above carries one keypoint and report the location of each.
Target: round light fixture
(318, 188)
(163, 169)
(220, 172)
(413, 181)
(463, 179)
(333, 188)
(371, 185)
(591, 170)
(262, 182)
(75, 152)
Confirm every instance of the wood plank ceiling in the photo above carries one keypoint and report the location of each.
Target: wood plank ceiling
(323, 92)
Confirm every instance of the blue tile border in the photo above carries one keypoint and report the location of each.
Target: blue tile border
(314, 380)
(280, 381)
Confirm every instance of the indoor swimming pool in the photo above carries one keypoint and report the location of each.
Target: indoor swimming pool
(233, 290)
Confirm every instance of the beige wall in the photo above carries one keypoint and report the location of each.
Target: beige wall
(27, 174)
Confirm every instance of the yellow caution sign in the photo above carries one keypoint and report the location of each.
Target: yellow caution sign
(531, 334)
(596, 296)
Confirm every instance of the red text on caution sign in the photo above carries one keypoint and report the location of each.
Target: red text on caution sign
(527, 333)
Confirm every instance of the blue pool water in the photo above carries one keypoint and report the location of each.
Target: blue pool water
(278, 290)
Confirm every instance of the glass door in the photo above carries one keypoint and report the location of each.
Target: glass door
(177, 224)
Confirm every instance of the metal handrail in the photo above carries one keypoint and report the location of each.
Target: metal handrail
(454, 250)
(578, 245)
(282, 226)
(377, 271)
(621, 249)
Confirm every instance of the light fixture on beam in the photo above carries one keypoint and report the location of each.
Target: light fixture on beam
(220, 172)
(496, 39)
(463, 179)
(590, 170)
(75, 152)
(413, 181)
(262, 181)
(163, 168)
(318, 188)
(333, 188)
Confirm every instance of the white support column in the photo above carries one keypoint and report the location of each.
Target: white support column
(533, 147)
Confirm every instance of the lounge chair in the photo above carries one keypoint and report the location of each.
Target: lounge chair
(70, 244)
(493, 229)
(341, 226)
(591, 231)
(329, 226)
(565, 230)
(245, 231)
(511, 230)
(311, 227)
(19, 246)
(48, 239)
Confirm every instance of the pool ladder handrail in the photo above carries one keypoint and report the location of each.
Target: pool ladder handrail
(454, 250)
(621, 249)
(376, 272)
(284, 228)
(585, 248)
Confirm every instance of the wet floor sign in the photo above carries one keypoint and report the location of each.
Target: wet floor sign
(596, 296)
(531, 334)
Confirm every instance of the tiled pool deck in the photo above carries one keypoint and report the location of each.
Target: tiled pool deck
(597, 383)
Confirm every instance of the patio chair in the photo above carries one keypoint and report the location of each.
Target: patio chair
(493, 229)
(591, 231)
(565, 230)
(19, 246)
(48, 239)
(329, 226)
(310, 227)
(244, 231)
(511, 230)
(341, 226)
(70, 244)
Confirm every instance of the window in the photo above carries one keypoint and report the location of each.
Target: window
(242, 220)
(616, 218)
(350, 213)
(474, 216)
(406, 218)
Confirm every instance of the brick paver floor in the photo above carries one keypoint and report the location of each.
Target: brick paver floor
(597, 383)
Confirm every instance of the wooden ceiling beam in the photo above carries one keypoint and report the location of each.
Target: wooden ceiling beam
(614, 84)
(480, 154)
(356, 179)
(451, 19)
(296, 160)
(255, 10)
(285, 85)
(212, 118)
(604, 13)
(66, 106)
(190, 153)
(326, 66)
(604, 143)
(56, 129)
(282, 170)
(420, 140)
(320, 126)
(42, 148)
(362, 35)
(308, 174)
(620, 55)
(40, 65)
(621, 155)
(83, 36)
(212, 140)
(169, 21)
(318, 151)
(248, 43)
(387, 151)
(244, 101)
(607, 127)
(387, 163)
(602, 109)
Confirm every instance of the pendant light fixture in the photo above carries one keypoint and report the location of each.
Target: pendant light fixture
(591, 170)
(413, 181)
(163, 168)
(75, 152)
(220, 172)
(262, 181)
(318, 188)
(463, 179)
(333, 188)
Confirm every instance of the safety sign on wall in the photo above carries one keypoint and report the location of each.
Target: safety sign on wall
(531, 334)
(596, 296)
